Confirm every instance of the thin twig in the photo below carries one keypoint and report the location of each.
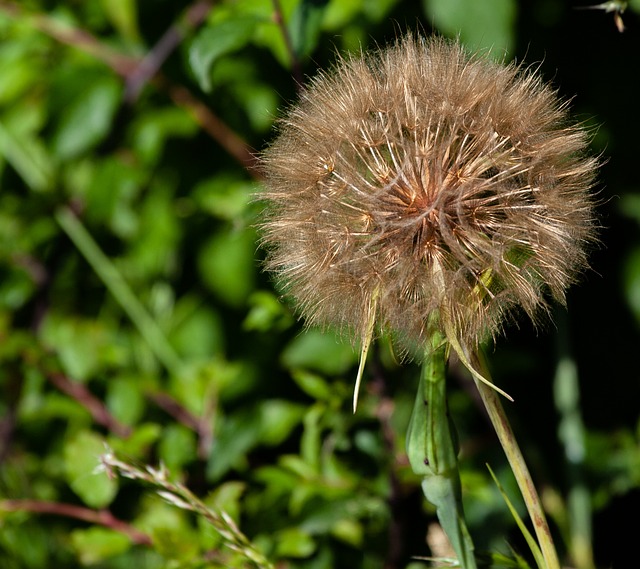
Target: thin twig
(202, 426)
(7, 428)
(151, 63)
(205, 426)
(173, 408)
(296, 69)
(501, 424)
(212, 125)
(90, 402)
(101, 517)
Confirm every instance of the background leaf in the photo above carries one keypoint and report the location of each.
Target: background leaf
(487, 26)
(250, 409)
(216, 40)
(82, 453)
(87, 120)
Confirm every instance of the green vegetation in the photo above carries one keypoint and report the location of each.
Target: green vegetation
(161, 407)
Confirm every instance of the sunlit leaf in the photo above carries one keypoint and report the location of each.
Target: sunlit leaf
(81, 461)
(82, 346)
(97, 544)
(125, 399)
(267, 313)
(294, 542)
(224, 196)
(88, 119)
(123, 16)
(319, 351)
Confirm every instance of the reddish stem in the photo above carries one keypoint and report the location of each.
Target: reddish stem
(101, 517)
(90, 402)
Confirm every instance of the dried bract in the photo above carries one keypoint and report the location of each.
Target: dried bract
(422, 185)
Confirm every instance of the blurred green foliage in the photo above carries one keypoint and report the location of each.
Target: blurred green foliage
(134, 315)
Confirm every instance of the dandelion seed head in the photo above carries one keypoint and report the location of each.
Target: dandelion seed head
(420, 180)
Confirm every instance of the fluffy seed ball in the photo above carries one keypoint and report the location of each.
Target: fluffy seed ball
(420, 184)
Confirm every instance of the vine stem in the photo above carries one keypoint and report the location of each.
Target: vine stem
(493, 405)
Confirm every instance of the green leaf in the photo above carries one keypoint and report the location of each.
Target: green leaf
(125, 400)
(26, 544)
(313, 385)
(319, 351)
(487, 25)
(349, 531)
(88, 119)
(305, 25)
(259, 101)
(154, 128)
(340, 12)
(16, 289)
(629, 205)
(97, 544)
(110, 195)
(139, 441)
(83, 346)
(294, 542)
(226, 498)
(153, 246)
(227, 265)
(199, 334)
(269, 422)
(216, 40)
(172, 535)
(177, 446)
(531, 542)
(81, 461)
(267, 313)
(278, 418)
(123, 15)
(268, 32)
(20, 69)
(26, 154)
(224, 196)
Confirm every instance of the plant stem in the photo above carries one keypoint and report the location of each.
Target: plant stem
(118, 287)
(571, 432)
(433, 452)
(501, 424)
(102, 517)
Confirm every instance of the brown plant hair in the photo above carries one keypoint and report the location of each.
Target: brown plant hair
(422, 186)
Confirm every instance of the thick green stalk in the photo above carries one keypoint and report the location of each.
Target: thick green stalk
(433, 453)
(492, 403)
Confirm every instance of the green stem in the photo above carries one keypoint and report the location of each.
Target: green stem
(433, 453)
(501, 424)
(571, 432)
(118, 287)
